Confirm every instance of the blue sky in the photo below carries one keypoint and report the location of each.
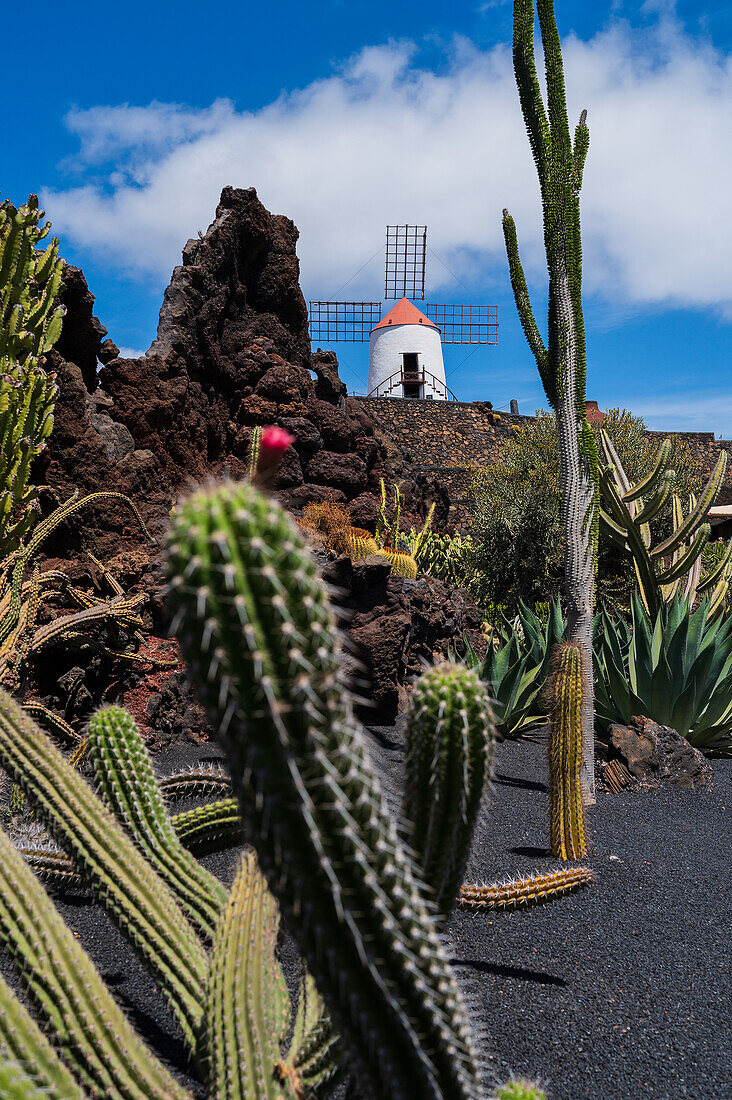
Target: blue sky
(346, 116)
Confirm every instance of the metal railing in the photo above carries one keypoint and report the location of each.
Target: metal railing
(400, 378)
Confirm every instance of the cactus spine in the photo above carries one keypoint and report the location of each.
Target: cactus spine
(449, 736)
(256, 628)
(566, 817)
(126, 783)
(519, 893)
(134, 896)
(562, 362)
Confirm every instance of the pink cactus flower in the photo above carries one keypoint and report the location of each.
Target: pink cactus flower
(274, 443)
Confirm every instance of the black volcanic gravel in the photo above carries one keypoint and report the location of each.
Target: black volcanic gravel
(617, 992)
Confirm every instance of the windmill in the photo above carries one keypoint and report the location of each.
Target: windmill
(405, 344)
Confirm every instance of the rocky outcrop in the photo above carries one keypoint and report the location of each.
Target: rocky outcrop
(395, 627)
(654, 753)
(232, 352)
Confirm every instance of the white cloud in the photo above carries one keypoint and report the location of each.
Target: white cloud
(384, 140)
(130, 353)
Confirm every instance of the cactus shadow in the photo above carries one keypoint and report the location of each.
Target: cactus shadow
(501, 780)
(532, 853)
(521, 973)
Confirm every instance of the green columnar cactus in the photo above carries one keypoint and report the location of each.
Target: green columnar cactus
(248, 1011)
(248, 1008)
(626, 518)
(255, 625)
(255, 443)
(561, 362)
(126, 783)
(30, 324)
(94, 1037)
(450, 737)
(23, 1042)
(209, 828)
(519, 893)
(134, 896)
(566, 818)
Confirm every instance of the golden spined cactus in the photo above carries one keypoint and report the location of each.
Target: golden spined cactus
(361, 543)
(403, 565)
(520, 893)
(566, 818)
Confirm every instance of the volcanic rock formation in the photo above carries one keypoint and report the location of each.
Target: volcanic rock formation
(232, 351)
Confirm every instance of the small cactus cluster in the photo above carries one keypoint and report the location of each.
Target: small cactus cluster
(30, 324)
(211, 954)
(566, 814)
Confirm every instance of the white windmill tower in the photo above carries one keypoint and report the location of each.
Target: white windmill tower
(405, 345)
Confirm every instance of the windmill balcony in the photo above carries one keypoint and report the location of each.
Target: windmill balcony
(413, 384)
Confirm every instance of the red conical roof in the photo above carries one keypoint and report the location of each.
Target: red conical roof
(404, 313)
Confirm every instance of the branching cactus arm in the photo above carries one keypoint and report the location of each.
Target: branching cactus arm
(93, 1035)
(22, 1041)
(127, 784)
(450, 735)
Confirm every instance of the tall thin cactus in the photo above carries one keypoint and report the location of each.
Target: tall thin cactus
(562, 361)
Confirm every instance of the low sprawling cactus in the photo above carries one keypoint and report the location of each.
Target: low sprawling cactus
(19, 594)
(566, 815)
(449, 735)
(519, 893)
(30, 324)
(255, 625)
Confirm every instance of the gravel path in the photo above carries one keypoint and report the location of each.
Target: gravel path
(618, 992)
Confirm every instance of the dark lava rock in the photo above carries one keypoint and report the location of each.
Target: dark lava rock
(396, 627)
(652, 753)
(232, 351)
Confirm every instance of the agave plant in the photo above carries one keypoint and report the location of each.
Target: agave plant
(675, 669)
(516, 670)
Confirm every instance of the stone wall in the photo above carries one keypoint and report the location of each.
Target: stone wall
(444, 438)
